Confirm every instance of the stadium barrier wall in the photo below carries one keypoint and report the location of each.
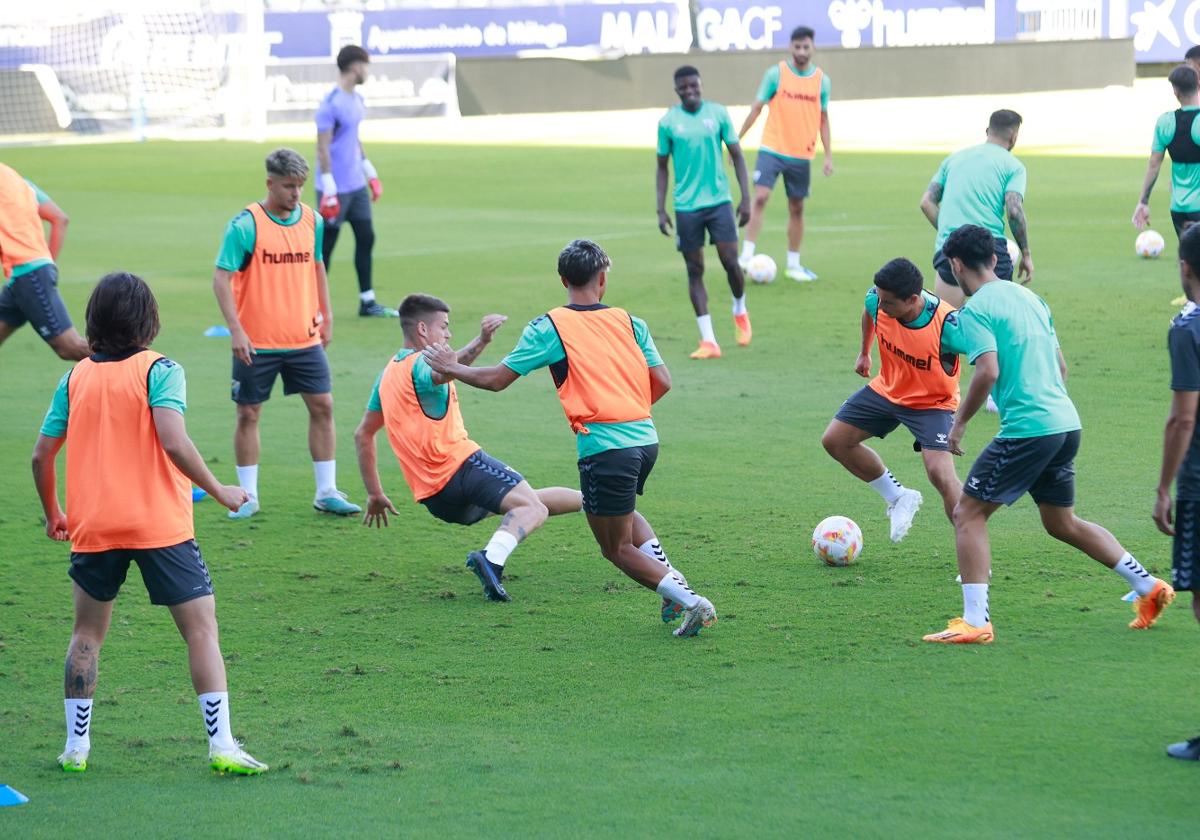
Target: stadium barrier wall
(540, 85)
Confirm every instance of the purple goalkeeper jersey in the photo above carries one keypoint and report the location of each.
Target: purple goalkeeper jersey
(342, 112)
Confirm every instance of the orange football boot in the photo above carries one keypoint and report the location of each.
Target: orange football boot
(958, 632)
(1150, 606)
(706, 350)
(741, 326)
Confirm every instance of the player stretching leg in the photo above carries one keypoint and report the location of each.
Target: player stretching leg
(447, 471)
(1008, 334)
(608, 373)
(1181, 447)
(130, 470)
(917, 385)
(271, 287)
(692, 133)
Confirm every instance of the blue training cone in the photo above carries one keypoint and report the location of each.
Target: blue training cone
(1130, 597)
(198, 494)
(218, 331)
(8, 796)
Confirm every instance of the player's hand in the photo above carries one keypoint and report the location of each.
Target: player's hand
(1025, 270)
(664, 223)
(440, 357)
(376, 188)
(325, 328)
(230, 496)
(243, 349)
(743, 212)
(489, 325)
(863, 366)
(1162, 512)
(378, 508)
(56, 527)
(827, 169)
(955, 439)
(1141, 215)
(331, 208)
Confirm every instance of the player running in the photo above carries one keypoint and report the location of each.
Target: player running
(608, 373)
(1008, 334)
(130, 470)
(273, 293)
(798, 92)
(981, 185)
(691, 133)
(447, 472)
(31, 291)
(917, 385)
(1176, 133)
(1181, 448)
(347, 183)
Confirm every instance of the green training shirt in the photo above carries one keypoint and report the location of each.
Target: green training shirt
(434, 398)
(165, 382)
(693, 140)
(974, 182)
(1185, 177)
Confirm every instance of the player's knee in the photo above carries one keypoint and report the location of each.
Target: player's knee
(321, 410)
(760, 201)
(1062, 528)
(965, 515)
(795, 208)
(71, 349)
(834, 445)
(247, 415)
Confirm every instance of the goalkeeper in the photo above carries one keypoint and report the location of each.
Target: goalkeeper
(347, 183)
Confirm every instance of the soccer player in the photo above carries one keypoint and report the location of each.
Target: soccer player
(917, 385)
(1008, 334)
(447, 472)
(1181, 447)
(981, 185)
(798, 92)
(31, 291)
(692, 133)
(1176, 133)
(608, 373)
(271, 288)
(130, 470)
(347, 183)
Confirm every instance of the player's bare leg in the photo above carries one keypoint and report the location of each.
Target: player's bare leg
(974, 552)
(6, 329)
(322, 445)
(709, 348)
(560, 500)
(758, 207)
(522, 512)
(727, 253)
(795, 237)
(246, 451)
(953, 295)
(845, 443)
(92, 618)
(939, 466)
(648, 543)
(69, 345)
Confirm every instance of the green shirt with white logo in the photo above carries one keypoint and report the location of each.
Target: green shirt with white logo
(974, 182)
(693, 140)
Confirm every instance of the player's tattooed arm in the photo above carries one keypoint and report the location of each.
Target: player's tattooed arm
(487, 329)
(931, 203)
(1015, 208)
(1141, 213)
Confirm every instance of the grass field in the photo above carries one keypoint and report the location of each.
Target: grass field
(391, 699)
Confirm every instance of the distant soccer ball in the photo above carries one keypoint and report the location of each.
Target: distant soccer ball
(1014, 252)
(761, 269)
(837, 541)
(1149, 244)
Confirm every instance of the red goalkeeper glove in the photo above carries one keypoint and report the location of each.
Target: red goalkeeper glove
(330, 207)
(372, 180)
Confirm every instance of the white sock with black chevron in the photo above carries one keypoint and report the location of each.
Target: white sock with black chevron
(674, 587)
(887, 486)
(214, 706)
(975, 604)
(653, 548)
(1133, 571)
(79, 723)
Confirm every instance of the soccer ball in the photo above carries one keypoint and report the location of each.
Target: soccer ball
(837, 541)
(1149, 244)
(1014, 252)
(761, 269)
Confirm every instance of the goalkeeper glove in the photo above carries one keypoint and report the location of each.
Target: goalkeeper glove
(330, 207)
(372, 180)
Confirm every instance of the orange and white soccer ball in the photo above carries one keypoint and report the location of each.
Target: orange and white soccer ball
(1149, 244)
(837, 541)
(761, 269)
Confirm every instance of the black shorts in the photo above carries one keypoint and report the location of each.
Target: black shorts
(612, 480)
(172, 575)
(1043, 467)
(33, 298)
(879, 416)
(474, 491)
(1183, 221)
(1186, 546)
(717, 220)
(796, 173)
(1004, 263)
(304, 371)
(352, 206)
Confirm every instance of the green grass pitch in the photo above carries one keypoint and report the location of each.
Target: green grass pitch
(390, 699)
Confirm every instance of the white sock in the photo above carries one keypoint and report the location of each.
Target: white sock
(706, 330)
(739, 305)
(1130, 569)
(975, 604)
(368, 296)
(499, 547)
(887, 486)
(326, 475)
(79, 723)
(653, 548)
(248, 480)
(747, 249)
(793, 259)
(673, 586)
(214, 706)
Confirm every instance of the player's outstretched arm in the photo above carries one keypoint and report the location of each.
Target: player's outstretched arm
(751, 118)
(45, 477)
(1014, 206)
(1141, 213)
(660, 382)
(471, 352)
(51, 213)
(931, 203)
(987, 370)
(444, 360)
(173, 436)
(378, 504)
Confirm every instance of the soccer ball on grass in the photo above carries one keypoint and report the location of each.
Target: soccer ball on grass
(837, 541)
(761, 269)
(1149, 244)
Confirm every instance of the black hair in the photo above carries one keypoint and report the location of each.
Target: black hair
(1004, 121)
(416, 308)
(900, 277)
(685, 71)
(802, 32)
(1189, 249)
(351, 54)
(581, 261)
(1193, 54)
(972, 244)
(121, 315)
(1184, 79)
